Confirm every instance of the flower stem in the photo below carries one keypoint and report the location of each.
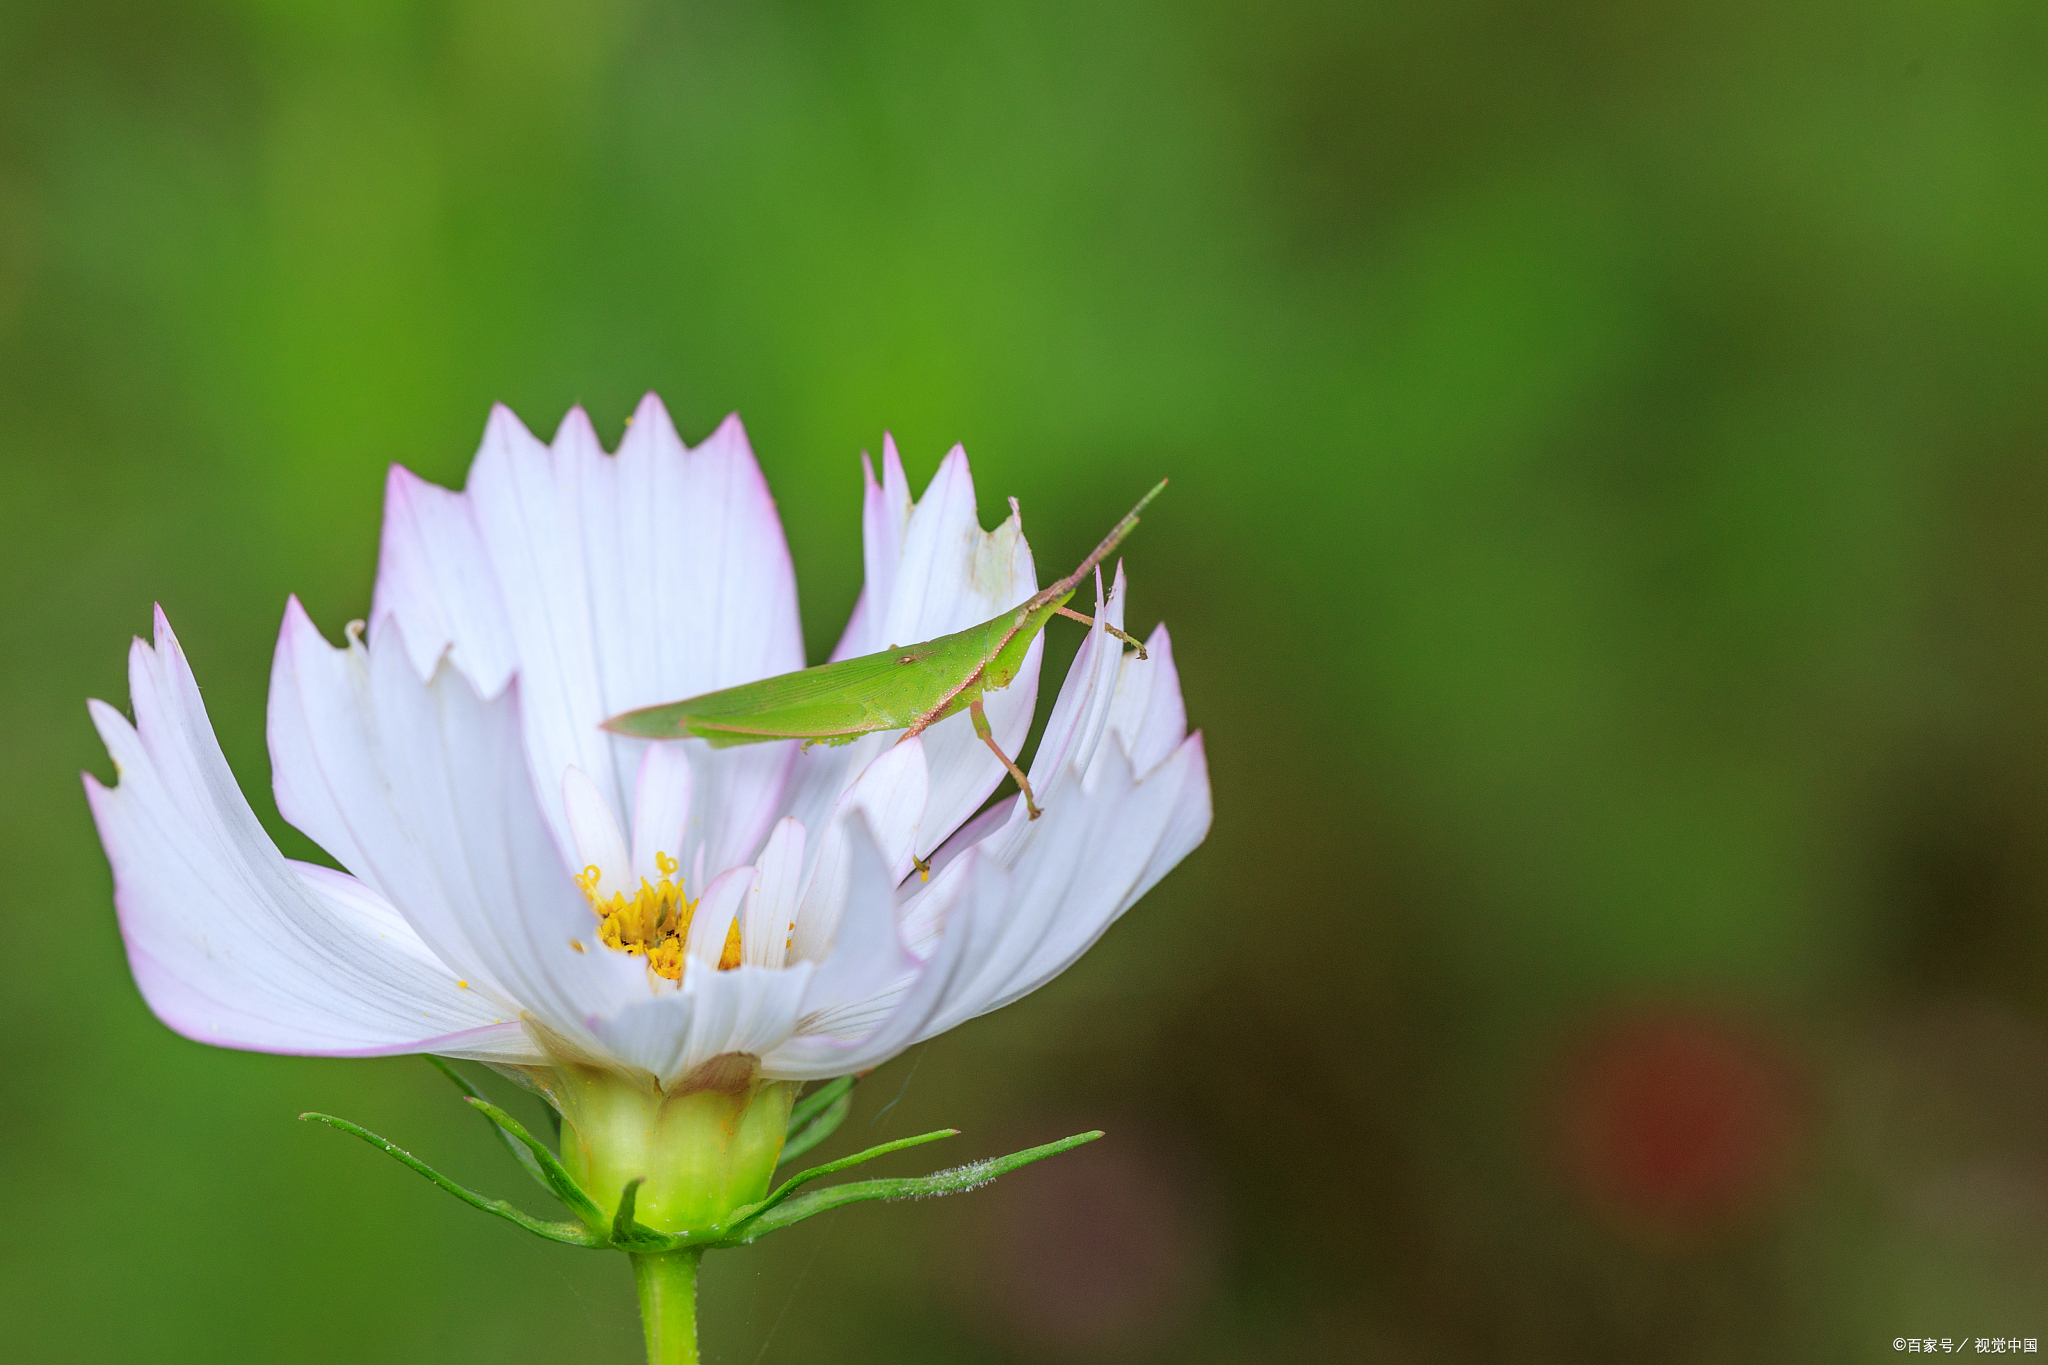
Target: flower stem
(668, 1305)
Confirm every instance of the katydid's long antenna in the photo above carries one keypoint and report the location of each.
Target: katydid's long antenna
(1100, 552)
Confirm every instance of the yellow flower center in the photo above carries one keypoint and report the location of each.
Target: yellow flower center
(654, 922)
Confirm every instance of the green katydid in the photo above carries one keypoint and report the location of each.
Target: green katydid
(908, 688)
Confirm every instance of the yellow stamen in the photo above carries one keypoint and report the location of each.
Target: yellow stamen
(654, 922)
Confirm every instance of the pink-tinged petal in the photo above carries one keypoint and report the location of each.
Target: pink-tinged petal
(747, 1010)
(435, 580)
(1147, 714)
(889, 796)
(228, 943)
(770, 912)
(711, 923)
(330, 782)
(420, 790)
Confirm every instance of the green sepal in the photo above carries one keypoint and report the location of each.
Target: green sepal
(553, 1173)
(816, 1117)
(573, 1234)
(956, 1181)
(519, 1153)
(790, 1186)
(812, 1104)
(630, 1234)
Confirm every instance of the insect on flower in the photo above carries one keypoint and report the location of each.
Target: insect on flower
(663, 939)
(903, 687)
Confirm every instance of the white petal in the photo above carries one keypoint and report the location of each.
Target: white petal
(722, 593)
(433, 578)
(738, 794)
(867, 956)
(711, 923)
(1080, 872)
(1004, 930)
(1081, 713)
(526, 506)
(884, 519)
(920, 907)
(1147, 714)
(746, 1010)
(505, 1041)
(1189, 822)
(656, 575)
(890, 796)
(420, 790)
(876, 1014)
(1079, 719)
(228, 943)
(661, 807)
(596, 832)
(770, 912)
(1122, 837)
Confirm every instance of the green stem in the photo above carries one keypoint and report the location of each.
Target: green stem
(668, 1305)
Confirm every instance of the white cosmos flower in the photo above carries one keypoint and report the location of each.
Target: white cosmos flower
(449, 757)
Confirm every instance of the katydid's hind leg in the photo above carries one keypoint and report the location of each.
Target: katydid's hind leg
(988, 737)
(1133, 642)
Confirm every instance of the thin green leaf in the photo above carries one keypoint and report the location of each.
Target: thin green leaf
(825, 1124)
(572, 1234)
(956, 1181)
(789, 1186)
(815, 1103)
(556, 1176)
(512, 1144)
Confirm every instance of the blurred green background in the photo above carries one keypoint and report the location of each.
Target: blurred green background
(1606, 555)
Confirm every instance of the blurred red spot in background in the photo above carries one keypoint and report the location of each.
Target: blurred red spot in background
(1672, 1120)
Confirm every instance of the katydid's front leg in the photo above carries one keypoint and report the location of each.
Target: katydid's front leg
(988, 737)
(1090, 621)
